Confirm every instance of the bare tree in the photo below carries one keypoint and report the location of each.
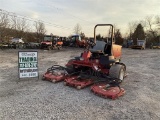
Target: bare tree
(19, 26)
(82, 35)
(158, 22)
(22, 24)
(150, 24)
(77, 29)
(4, 25)
(14, 22)
(40, 30)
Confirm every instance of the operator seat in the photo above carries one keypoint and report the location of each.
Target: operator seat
(99, 47)
(107, 49)
(104, 59)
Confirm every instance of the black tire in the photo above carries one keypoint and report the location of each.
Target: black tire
(49, 47)
(77, 46)
(70, 66)
(117, 71)
(43, 78)
(59, 47)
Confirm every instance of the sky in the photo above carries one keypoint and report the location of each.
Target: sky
(61, 16)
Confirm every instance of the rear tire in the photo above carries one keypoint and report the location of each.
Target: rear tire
(65, 83)
(49, 47)
(79, 87)
(54, 81)
(70, 66)
(117, 71)
(43, 78)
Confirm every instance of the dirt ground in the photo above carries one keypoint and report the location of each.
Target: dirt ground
(32, 99)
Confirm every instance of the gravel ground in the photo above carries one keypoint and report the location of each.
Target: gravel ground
(32, 99)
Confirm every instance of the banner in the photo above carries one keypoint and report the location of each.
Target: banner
(28, 64)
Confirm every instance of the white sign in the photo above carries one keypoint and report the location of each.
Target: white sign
(28, 64)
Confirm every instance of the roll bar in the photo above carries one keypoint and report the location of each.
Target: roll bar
(112, 30)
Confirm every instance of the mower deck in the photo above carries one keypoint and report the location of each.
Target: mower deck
(107, 92)
(79, 83)
(53, 78)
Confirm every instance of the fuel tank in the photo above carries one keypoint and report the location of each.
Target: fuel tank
(116, 51)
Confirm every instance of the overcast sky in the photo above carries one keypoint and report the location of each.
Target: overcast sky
(61, 16)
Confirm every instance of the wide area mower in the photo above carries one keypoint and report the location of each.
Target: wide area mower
(99, 66)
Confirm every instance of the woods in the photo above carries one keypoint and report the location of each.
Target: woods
(148, 28)
(15, 26)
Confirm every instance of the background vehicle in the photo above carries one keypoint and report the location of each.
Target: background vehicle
(141, 44)
(77, 41)
(51, 42)
(16, 43)
(17, 40)
(32, 45)
(65, 40)
(47, 41)
(155, 46)
(3, 45)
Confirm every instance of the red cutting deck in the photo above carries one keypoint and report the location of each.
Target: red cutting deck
(107, 92)
(53, 78)
(74, 81)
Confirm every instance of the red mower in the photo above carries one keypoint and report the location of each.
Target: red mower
(58, 73)
(55, 74)
(99, 65)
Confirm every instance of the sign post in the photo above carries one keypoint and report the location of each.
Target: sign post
(28, 64)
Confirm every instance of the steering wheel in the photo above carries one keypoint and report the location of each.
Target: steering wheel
(91, 43)
(55, 67)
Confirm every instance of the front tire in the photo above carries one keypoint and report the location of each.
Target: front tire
(43, 78)
(117, 71)
(49, 47)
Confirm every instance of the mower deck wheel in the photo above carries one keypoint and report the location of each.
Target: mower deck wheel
(65, 83)
(54, 81)
(43, 78)
(79, 87)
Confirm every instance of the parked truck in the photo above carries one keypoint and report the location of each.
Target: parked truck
(51, 42)
(141, 44)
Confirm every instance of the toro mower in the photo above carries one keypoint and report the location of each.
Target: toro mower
(99, 65)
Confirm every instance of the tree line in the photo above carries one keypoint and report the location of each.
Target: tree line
(13, 26)
(148, 28)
